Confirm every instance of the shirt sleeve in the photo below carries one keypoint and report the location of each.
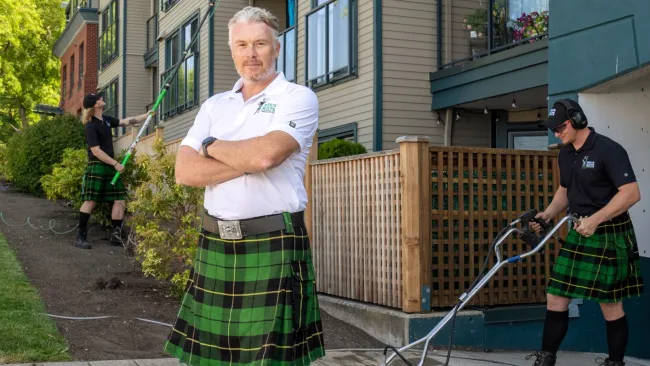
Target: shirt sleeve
(618, 166)
(92, 135)
(298, 116)
(113, 121)
(200, 130)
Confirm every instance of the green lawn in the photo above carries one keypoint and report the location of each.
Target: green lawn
(25, 334)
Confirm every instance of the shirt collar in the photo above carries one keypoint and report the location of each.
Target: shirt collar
(277, 86)
(589, 142)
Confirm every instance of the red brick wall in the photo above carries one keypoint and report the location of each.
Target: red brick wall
(72, 103)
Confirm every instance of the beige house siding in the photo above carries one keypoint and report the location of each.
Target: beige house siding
(409, 55)
(278, 8)
(350, 101)
(473, 129)
(114, 69)
(138, 79)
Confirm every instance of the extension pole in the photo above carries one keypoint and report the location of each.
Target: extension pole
(165, 88)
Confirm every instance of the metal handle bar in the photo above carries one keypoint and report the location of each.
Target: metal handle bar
(465, 297)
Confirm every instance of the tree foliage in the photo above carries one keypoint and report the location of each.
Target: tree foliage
(29, 72)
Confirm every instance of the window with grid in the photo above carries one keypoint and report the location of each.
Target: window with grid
(183, 88)
(331, 42)
(81, 65)
(108, 39)
(71, 74)
(64, 81)
(110, 95)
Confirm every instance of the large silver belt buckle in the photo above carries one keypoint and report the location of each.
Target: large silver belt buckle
(230, 230)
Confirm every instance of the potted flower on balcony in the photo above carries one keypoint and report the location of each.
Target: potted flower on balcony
(529, 25)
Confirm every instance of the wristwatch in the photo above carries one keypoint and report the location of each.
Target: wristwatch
(207, 142)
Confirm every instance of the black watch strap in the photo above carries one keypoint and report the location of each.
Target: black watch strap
(207, 142)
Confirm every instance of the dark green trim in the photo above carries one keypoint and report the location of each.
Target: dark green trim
(124, 59)
(497, 57)
(210, 56)
(439, 18)
(378, 107)
(508, 314)
(84, 15)
(505, 81)
(338, 131)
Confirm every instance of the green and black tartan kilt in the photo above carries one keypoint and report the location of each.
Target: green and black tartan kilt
(250, 302)
(96, 184)
(603, 267)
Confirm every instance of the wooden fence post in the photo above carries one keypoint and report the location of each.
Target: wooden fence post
(415, 166)
(313, 155)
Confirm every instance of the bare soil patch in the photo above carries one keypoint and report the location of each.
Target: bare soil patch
(105, 281)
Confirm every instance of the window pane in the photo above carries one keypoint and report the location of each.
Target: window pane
(190, 78)
(280, 62)
(316, 44)
(339, 34)
(290, 59)
(187, 36)
(181, 84)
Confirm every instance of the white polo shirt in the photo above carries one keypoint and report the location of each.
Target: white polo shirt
(282, 106)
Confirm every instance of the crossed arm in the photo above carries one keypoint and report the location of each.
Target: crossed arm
(232, 159)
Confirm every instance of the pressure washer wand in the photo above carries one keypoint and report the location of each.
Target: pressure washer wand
(166, 84)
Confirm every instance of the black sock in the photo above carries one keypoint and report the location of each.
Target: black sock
(117, 224)
(83, 222)
(617, 334)
(555, 328)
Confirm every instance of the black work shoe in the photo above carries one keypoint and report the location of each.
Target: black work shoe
(608, 362)
(116, 237)
(81, 241)
(543, 358)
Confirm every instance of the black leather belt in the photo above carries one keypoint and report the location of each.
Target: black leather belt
(237, 229)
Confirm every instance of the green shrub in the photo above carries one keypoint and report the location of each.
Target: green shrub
(4, 167)
(65, 181)
(337, 148)
(166, 220)
(37, 148)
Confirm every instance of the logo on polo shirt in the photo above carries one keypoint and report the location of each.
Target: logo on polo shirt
(268, 107)
(292, 124)
(586, 164)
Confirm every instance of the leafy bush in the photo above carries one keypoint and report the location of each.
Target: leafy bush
(65, 181)
(166, 218)
(37, 148)
(4, 168)
(336, 148)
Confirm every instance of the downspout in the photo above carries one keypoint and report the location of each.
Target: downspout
(123, 86)
(378, 107)
(211, 56)
(439, 17)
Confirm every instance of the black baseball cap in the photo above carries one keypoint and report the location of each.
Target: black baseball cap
(557, 115)
(91, 99)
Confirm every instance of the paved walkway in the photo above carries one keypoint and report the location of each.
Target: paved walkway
(374, 358)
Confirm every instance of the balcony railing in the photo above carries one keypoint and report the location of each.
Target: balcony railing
(152, 33)
(498, 25)
(287, 58)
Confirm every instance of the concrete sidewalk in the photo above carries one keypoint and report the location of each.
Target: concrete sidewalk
(375, 357)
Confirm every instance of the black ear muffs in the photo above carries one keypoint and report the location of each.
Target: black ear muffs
(576, 116)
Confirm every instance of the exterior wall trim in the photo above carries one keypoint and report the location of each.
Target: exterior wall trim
(378, 107)
(83, 15)
(124, 53)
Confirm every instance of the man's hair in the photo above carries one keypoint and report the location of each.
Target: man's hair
(253, 14)
(87, 115)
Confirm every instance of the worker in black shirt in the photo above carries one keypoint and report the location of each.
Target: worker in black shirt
(96, 184)
(600, 259)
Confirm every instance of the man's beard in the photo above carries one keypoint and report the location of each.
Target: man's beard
(268, 72)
